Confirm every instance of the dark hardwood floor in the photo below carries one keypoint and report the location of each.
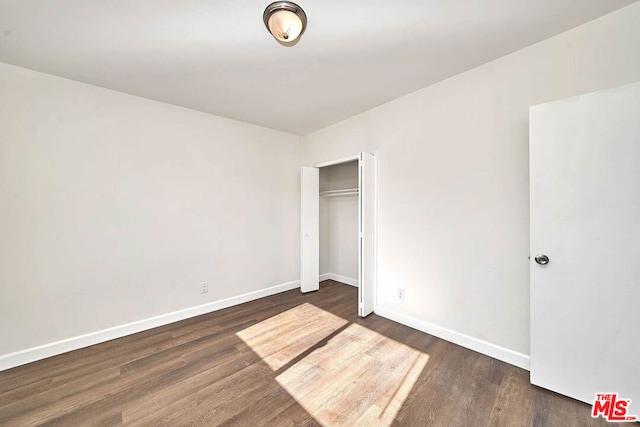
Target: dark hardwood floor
(288, 359)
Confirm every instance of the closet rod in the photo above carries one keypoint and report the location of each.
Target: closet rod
(343, 192)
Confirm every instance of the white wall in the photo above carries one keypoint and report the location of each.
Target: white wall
(325, 235)
(343, 243)
(452, 161)
(114, 208)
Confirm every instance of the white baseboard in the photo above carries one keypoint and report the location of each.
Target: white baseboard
(52, 349)
(342, 279)
(492, 350)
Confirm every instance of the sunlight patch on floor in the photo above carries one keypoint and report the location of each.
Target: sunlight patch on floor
(356, 377)
(280, 339)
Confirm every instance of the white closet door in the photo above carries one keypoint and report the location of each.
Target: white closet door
(366, 268)
(310, 232)
(585, 218)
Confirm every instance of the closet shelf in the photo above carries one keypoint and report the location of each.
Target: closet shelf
(343, 192)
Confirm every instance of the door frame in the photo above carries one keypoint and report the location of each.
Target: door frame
(338, 161)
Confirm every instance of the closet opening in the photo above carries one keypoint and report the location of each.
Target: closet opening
(339, 235)
(338, 226)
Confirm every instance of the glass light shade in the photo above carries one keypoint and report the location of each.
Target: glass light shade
(285, 26)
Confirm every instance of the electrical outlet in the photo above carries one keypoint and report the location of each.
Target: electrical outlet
(204, 288)
(400, 294)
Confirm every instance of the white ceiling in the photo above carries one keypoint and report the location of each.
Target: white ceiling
(216, 55)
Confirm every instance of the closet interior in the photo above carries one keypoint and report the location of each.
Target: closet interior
(338, 206)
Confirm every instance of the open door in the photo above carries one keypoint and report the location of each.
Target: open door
(366, 258)
(585, 245)
(310, 230)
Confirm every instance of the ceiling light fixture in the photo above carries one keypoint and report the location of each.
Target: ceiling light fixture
(285, 20)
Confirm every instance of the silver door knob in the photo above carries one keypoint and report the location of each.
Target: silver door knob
(542, 259)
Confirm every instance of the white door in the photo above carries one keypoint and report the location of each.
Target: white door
(310, 230)
(366, 258)
(585, 217)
